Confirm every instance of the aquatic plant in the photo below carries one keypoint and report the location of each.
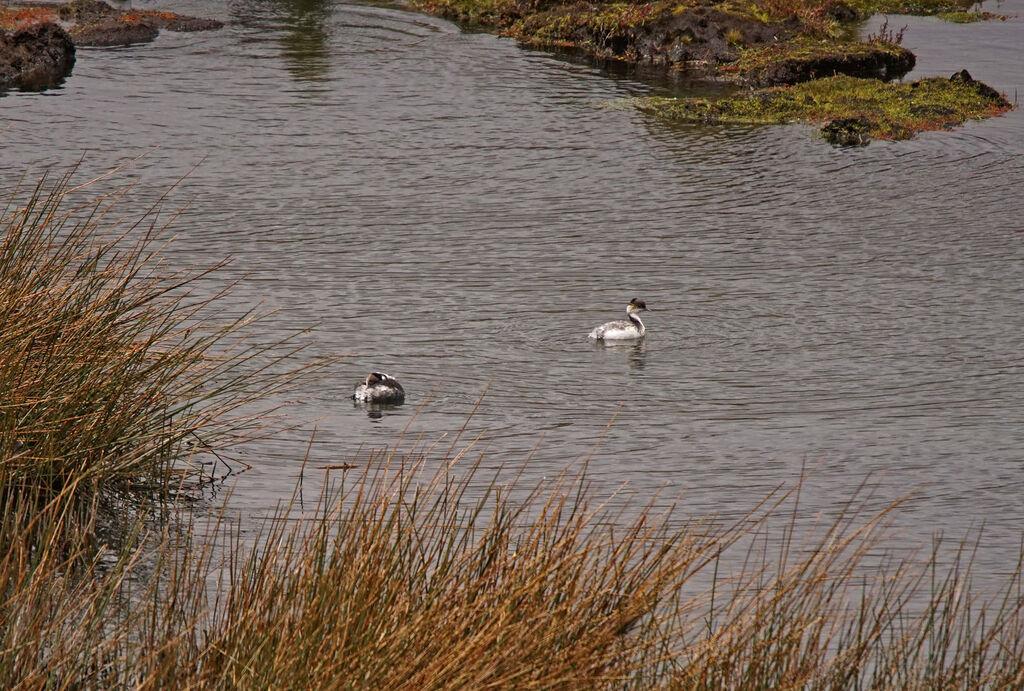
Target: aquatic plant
(887, 36)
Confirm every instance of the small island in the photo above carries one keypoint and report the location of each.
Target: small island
(791, 60)
(785, 60)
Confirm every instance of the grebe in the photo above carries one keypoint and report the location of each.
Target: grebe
(379, 388)
(623, 330)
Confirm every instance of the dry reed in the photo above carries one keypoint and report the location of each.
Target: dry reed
(111, 370)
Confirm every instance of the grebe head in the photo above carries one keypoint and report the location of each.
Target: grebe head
(636, 305)
(379, 388)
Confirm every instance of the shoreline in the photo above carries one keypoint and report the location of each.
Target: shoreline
(780, 50)
(799, 60)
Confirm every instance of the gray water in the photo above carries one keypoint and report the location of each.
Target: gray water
(459, 211)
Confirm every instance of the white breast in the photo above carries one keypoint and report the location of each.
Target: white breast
(616, 331)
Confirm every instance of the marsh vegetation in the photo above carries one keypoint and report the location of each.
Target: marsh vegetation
(418, 568)
(760, 44)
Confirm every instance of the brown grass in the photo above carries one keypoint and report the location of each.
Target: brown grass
(407, 578)
(117, 378)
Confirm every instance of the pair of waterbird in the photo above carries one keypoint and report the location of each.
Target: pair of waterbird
(382, 388)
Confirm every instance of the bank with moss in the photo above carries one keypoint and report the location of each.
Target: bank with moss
(760, 44)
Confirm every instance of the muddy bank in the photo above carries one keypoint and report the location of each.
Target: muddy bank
(35, 58)
(37, 42)
(96, 23)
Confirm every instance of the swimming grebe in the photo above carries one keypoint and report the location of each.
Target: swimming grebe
(621, 330)
(379, 388)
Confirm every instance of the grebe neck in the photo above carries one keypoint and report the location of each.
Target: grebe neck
(636, 320)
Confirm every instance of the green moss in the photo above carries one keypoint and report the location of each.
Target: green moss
(888, 111)
(489, 13)
(915, 7)
(969, 17)
(804, 49)
(960, 17)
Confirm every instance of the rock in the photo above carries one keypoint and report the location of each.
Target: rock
(840, 11)
(85, 11)
(875, 64)
(99, 24)
(983, 89)
(114, 32)
(704, 35)
(848, 131)
(36, 57)
(181, 22)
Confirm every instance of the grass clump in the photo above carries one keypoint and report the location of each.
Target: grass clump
(411, 578)
(970, 17)
(114, 374)
(875, 108)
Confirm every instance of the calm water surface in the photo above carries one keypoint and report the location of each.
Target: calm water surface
(458, 211)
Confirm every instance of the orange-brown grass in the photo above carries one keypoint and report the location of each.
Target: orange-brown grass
(113, 374)
(133, 16)
(407, 578)
(12, 18)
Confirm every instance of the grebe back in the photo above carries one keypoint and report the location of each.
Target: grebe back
(379, 388)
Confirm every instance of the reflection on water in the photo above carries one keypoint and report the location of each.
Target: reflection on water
(464, 211)
(376, 411)
(304, 45)
(632, 350)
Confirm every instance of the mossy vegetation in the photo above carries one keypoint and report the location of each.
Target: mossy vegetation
(969, 17)
(804, 58)
(95, 23)
(756, 43)
(852, 110)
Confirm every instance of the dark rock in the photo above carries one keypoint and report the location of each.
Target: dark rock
(703, 35)
(181, 22)
(875, 64)
(840, 11)
(848, 131)
(114, 32)
(36, 57)
(984, 90)
(99, 24)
